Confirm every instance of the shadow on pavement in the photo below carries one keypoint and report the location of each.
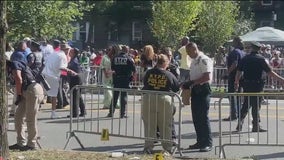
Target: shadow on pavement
(270, 156)
(113, 148)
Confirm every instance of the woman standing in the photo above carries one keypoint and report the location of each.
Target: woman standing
(74, 70)
(154, 114)
(85, 63)
(107, 74)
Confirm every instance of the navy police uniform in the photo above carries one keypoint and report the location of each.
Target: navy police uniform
(200, 100)
(252, 67)
(123, 67)
(36, 60)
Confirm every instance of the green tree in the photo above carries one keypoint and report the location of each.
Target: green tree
(4, 151)
(44, 18)
(173, 19)
(216, 24)
(245, 20)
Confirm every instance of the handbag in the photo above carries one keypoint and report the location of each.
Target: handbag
(185, 96)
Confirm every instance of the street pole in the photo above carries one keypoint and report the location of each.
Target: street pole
(3, 108)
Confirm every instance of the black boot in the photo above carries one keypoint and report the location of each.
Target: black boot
(257, 128)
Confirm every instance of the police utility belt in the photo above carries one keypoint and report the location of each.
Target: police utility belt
(253, 81)
(203, 89)
(25, 86)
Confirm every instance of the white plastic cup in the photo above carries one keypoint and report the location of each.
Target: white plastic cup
(116, 154)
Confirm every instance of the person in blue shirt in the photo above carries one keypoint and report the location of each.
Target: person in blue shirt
(74, 70)
(29, 95)
(233, 60)
(18, 54)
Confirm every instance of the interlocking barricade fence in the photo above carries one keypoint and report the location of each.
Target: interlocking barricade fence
(142, 107)
(96, 74)
(220, 79)
(249, 132)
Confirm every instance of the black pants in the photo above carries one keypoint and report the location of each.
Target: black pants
(62, 99)
(119, 83)
(200, 103)
(253, 102)
(76, 80)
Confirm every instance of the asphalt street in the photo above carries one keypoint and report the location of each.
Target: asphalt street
(53, 132)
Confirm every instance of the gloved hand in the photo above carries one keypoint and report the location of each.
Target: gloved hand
(18, 100)
(187, 85)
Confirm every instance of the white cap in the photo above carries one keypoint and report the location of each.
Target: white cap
(27, 39)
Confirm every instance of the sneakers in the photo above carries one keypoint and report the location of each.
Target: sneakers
(54, 115)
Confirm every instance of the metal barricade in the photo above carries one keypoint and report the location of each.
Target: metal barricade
(245, 133)
(132, 126)
(220, 79)
(96, 74)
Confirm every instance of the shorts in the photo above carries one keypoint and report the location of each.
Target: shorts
(54, 85)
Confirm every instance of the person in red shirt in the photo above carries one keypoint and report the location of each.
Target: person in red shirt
(98, 59)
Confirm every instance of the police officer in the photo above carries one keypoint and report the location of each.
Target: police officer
(29, 96)
(159, 79)
(17, 55)
(35, 59)
(201, 70)
(124, 69)
(252, 67)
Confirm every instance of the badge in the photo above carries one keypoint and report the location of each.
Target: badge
(204, 62)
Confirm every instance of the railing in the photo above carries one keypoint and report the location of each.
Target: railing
(219, 81)
(140, 105)
(244, 133)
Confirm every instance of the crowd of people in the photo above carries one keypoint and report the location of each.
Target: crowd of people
(57, 64)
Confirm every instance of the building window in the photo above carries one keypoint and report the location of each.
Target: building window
(113, 31)
(266, 23)
(136, 31)
(82, 31)
(266, 3)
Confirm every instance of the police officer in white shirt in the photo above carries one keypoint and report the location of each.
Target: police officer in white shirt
(201, 69)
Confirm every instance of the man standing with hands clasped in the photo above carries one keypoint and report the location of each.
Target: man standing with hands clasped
(201, 70)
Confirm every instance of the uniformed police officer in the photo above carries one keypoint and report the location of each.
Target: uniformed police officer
(124, 69)
(159, 79)
(35, 59)
(201, 70)
(29, 96)
(252, 67)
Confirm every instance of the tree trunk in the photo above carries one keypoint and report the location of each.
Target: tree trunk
(3, 108)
